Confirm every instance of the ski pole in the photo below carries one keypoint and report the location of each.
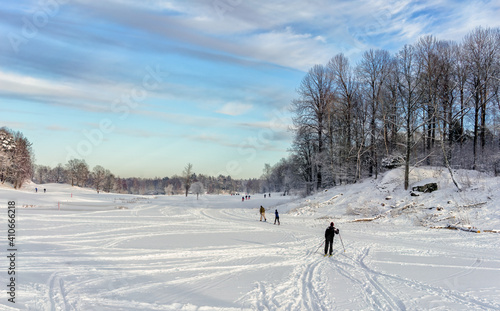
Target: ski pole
(342, 242)
(319, 247)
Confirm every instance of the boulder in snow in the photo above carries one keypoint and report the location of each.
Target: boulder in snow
(427, 188)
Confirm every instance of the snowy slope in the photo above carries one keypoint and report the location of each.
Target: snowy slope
(78, 250)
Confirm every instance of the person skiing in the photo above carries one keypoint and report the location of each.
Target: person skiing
(277, 217)
(329, 234)
(262, 213)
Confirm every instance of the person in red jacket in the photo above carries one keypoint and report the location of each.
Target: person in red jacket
(329, 234)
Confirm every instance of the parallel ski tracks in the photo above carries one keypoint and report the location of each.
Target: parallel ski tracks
(382, 297)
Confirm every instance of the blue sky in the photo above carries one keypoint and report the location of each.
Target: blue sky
(145, 87)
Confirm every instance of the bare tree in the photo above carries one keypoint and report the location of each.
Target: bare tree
(482, 52)
(408, 84)
(374, 70)
(58, 173)
(98, 176)
(83, 173)
(109, 180)
(346, 95)
(72, 169)
(187, 174)
(311, 109)
(42, 173)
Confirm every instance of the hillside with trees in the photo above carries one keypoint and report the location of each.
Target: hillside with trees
(434, 102)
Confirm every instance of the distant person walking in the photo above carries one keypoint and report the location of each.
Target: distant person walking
(329, 234)
(262, 213)
(44, 190)
(276, 217)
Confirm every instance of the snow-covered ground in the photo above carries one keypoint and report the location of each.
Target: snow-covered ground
(79, 250)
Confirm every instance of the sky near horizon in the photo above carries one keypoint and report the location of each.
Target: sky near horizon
(144, 87)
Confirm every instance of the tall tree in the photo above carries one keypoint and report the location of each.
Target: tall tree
(187, 174)
(374, 70)
(98, 176)
(346, 94)
(482, 53)
(310, 110)
(409, 71)
(22, 162)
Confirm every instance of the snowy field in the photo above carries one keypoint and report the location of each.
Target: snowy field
(78, 250)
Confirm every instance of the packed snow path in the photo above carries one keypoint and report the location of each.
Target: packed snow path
(177, 253)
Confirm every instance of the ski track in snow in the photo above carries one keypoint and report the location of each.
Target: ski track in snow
(214, 254)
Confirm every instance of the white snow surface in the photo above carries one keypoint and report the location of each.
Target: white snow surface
(79, 250)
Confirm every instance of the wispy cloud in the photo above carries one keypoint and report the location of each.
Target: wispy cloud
(234, 109)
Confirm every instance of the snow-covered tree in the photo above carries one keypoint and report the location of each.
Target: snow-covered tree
(197, 188)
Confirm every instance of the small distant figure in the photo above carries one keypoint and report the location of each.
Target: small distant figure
(242, 199)
(262, 213)
(264, 195)
(329, 234)
(276, 217)
(44, 190)
(269, 194)
(36, 189)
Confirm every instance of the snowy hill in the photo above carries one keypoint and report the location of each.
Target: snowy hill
(79, 250)
(476, 206)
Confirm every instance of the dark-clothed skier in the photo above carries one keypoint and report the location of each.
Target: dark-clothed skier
(276, 217)
(329, 234)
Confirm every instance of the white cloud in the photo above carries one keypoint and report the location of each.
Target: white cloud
(234, 108)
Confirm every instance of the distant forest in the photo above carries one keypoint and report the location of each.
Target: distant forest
(17, 167)
(434, 102)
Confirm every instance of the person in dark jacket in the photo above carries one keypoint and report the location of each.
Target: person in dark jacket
(276, 217)
(329, 234)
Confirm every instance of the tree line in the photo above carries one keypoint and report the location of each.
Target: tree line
(434, 102)
(78, 173)
(17, 166)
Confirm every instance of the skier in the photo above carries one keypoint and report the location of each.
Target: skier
(329, 234)
(262, 213)
(277, 217)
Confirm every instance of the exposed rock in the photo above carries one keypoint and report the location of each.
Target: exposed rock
(427, 188)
